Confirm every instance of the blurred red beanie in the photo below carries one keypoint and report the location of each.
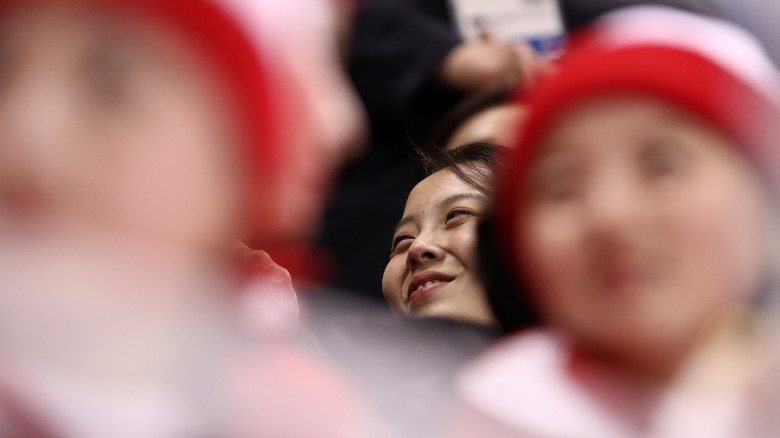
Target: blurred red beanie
(704, 65)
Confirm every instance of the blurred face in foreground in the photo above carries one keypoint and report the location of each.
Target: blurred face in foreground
(432, 265)
(119, 184)
(112, 122)
(641, 222)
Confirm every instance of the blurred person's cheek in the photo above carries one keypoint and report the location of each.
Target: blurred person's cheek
(174, 170)
(302, 34)
(116, 122)
(323, 121)
(306, 174)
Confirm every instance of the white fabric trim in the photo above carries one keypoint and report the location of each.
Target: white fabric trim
(523, 384)
(729, 46)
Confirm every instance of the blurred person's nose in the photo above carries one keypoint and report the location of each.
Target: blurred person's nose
(424, 251)
(613, 204)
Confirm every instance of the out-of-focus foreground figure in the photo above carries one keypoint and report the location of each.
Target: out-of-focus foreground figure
(137, 140)
(323, 124)
(637, 217)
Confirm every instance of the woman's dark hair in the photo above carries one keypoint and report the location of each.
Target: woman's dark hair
(506, 292)
(467, 108)
(473, 162)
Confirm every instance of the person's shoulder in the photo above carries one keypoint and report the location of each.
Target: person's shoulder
(523, 383)
(514, 368)
(530, 350)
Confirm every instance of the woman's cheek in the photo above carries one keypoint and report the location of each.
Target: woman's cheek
(465, 244)
(392, 282)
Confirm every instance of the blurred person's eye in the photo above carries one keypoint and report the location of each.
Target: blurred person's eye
(110, 70)
(8, 62)
(661, 158)
(401, 243)
(555, 183)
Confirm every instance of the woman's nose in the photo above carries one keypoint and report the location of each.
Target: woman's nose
(423, 250)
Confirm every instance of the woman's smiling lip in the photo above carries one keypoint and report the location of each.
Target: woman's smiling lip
(425, 282)
(425, 291)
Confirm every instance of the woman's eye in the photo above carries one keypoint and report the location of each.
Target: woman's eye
(458, 213)
(400, 244)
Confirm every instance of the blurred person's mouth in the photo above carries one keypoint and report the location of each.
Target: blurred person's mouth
(22, 207)
(425, 283)
(625, 277)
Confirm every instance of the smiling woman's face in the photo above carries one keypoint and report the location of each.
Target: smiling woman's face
(432, 265)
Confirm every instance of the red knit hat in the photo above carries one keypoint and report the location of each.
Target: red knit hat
(704, 65)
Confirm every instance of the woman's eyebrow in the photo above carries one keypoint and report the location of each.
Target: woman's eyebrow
(459, 197)
(405, 220)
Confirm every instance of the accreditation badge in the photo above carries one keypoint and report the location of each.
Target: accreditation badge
(538, 23)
